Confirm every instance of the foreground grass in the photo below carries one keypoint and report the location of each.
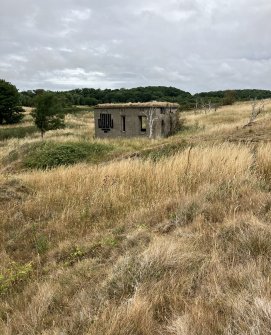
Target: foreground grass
(175, 241)
(177, 246)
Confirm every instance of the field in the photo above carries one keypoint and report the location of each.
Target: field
(137, 237)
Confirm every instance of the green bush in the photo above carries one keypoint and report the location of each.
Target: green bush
(19, 132)
(51, 154)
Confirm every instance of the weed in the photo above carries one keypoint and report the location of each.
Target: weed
(74, 256)
(14, 275)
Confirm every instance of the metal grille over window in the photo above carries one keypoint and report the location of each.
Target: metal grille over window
(105, 122)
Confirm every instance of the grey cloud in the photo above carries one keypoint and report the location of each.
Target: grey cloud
(195, 45)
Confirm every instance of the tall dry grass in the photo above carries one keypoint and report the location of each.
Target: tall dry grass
(225, 119)
(180, 246)
(99, 193)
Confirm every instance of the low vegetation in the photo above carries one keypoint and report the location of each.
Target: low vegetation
(51, 154)
(163, 151)
(16, 132)
(168, 236)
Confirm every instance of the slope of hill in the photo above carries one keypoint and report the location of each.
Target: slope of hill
(173, 239)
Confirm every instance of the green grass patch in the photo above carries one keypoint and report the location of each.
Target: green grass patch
(51, 154)
(166, 150)
(191, 129)
(78, 109)
(16, 132)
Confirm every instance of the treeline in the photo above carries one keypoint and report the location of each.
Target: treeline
(234, 95)
(92, 97)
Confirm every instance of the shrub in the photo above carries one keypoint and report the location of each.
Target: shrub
(229, 98)
(52, 154)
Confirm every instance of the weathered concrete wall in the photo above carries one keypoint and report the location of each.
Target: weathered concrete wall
(161, 127)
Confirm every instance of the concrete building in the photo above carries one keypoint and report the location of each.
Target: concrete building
(151, 119)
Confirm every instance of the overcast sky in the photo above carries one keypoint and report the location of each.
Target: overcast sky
(195, 45)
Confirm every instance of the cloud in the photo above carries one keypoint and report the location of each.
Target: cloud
(195, 45)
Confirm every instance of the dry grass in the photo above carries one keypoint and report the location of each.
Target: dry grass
(226, 119)
(180, 246)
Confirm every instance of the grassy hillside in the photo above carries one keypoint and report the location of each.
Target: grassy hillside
(167, 236)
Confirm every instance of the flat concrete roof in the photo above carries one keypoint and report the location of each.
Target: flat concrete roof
(137, 105)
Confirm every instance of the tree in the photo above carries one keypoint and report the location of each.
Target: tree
(229, 98)
(151, 118)
(49, 112)
(257, 107)
(10, 112)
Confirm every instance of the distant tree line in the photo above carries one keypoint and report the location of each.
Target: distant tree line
(228, 97)
(92, 97)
